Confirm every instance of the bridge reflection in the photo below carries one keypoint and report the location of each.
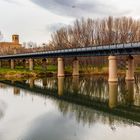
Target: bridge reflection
(121, 99)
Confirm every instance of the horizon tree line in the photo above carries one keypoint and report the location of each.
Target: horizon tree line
(87, 32)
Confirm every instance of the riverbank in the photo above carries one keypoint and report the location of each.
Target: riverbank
(23, 73)
(38, 72)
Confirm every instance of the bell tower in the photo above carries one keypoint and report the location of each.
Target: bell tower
(15, 39)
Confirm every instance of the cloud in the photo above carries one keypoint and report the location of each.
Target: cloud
(11, 1)
(80, 8)
(55, 26)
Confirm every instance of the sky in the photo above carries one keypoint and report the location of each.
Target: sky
(36, 20)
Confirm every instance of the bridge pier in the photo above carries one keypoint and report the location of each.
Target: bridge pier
(24, 63)
(44, 64)
(130, 68)
(75, 67)
(60, 67)
(12, 63)
(31, 64)
(112, 69)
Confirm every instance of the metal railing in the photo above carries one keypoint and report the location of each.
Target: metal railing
(80, 49)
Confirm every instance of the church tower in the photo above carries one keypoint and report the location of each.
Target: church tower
(15, 39)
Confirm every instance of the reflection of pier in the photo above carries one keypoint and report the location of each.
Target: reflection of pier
(89, 100)
(60, 85)
(113, 94)
(130, 91)
(16, 91)
(31, 82)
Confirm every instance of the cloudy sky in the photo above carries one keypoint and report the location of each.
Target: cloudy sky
(35, 20)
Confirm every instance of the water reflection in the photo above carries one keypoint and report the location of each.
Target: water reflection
(77, 108)
(129, 92)
(60, 86)
(137, 91)
(113, 94)
(3, 85)
(2, 108)
(31, 82)
(93, 92)
(16, 91)
(75, 83)
(44, 82)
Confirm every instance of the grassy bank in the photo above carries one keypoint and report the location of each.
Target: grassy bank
(20, 72)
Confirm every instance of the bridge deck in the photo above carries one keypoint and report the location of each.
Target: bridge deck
(106, 50)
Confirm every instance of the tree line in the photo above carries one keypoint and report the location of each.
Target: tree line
(87, 32)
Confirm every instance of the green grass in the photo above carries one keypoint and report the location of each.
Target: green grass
(22, 70)
(53, 69)
(14, 71)
(50, 68)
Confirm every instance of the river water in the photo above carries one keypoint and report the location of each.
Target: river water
(71, 108)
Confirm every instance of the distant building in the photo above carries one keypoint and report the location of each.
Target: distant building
(14, 44)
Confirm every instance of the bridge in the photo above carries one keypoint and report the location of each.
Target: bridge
(112, 51)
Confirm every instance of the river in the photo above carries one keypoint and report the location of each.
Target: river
(70, 108)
